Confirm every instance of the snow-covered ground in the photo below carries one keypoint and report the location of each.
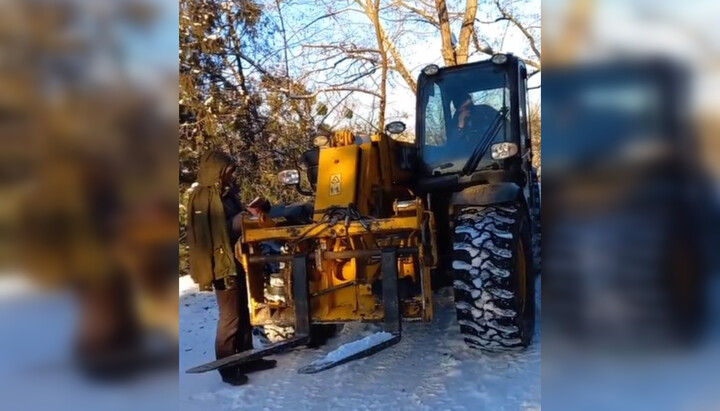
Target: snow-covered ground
(36, 368)
(430, 369)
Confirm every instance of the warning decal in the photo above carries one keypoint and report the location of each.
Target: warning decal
(335, 184)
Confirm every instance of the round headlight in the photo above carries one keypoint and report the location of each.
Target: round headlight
(501, 151)
(289, 177)
(499, 58)
(431, 69)
(396, 127)
(320, 141)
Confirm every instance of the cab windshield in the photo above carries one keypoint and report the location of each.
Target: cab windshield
(458, 109)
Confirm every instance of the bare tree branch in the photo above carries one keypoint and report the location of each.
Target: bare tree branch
(426, 15)
(499, 19)
(487, 49)
(509, 17)
(483, 48)
(285, 41)
(400, 66)
(322, 120)
(254, 65)
(341, 48)
(328, 90)
(324, 16)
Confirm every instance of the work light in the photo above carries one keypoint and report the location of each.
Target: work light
(499, 58)
(502, 151)
(431, 69)
(289, 177)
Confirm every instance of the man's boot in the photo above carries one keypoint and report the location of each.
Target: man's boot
(234, 377)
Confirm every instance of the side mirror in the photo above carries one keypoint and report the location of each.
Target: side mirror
(289, 177)
(396, 127)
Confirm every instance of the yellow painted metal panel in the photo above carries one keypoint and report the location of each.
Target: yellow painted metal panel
(370, 180)
(337, 177)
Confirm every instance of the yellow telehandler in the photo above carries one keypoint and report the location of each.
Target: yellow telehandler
(393, 220)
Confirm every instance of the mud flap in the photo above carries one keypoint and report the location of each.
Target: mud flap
(392, 324)
(302, 325)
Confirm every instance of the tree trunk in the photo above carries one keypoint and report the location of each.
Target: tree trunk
(466, 31)
(375, 15)
(448, 51)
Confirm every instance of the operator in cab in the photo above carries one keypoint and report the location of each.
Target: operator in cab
(470, 117)
(214, 224)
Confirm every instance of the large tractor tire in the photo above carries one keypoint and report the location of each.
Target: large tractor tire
(493, 280)
(537, 227)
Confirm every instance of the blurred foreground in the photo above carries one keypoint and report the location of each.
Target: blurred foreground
(88, 170)
(631, 190)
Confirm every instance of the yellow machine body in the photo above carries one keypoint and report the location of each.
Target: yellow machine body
(337, 177)
(360, 174)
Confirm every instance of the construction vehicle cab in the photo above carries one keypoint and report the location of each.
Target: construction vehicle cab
(386, 214)
(475, 163)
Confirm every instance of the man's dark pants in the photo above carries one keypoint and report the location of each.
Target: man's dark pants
(234, 332)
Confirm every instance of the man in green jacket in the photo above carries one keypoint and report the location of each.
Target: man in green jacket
(214, 226)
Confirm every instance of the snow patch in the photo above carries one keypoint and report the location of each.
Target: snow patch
(500, 293)
(477, 283)
(497, 217)
(496, 271)
(489, 306)
(485, 236)
(502, 328)
(461, 265)
(472, 325)
(462, 286)
(491, 227)
(354, 347)
(470, 249)
(500, 252)
(467, 230)
(463, 306)
(186, 284)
